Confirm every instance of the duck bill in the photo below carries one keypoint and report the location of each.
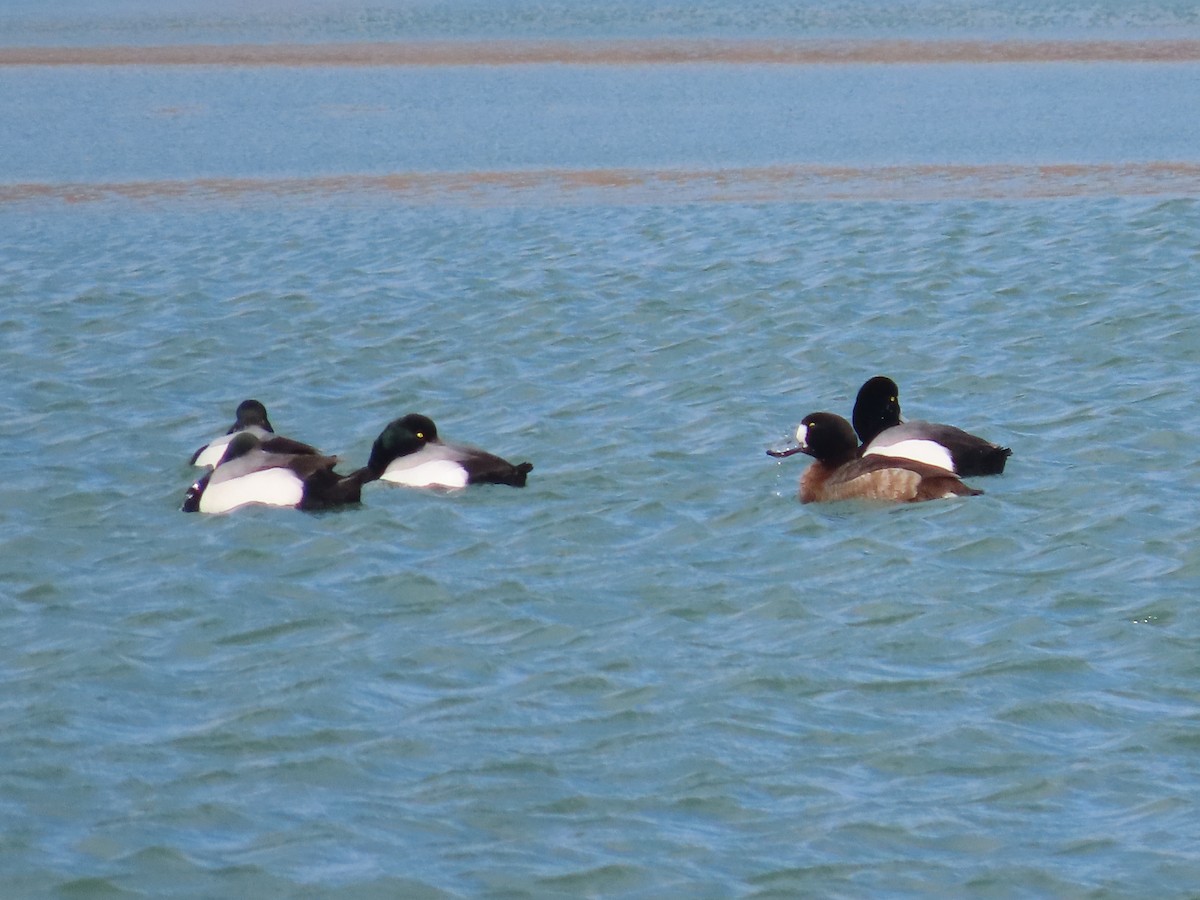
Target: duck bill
(799, 444)
(785, 452)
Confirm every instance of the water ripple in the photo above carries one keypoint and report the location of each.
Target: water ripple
(651, 671)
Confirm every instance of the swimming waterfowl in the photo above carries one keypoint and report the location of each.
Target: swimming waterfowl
(840, 474)
(248, 472)
(251, 417)
(882, 432)
(409, 452)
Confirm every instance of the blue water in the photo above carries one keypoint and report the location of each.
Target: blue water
(131, 123)
(652, 672)
(133, 22)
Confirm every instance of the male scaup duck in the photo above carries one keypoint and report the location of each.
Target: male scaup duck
(840, 474)
(409, 452)
(248, 472)
(882, 432)
(251, 418)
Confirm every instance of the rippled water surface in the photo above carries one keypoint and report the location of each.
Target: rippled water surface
(652, 672)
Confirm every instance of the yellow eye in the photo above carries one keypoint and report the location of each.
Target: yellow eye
(421, 435)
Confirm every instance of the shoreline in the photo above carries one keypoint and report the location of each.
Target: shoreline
(761, 184)
(609, 52)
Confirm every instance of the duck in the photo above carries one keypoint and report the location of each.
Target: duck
(249, 472)
(250, 417)
(882, 432)
(409, 452)
(839, 473)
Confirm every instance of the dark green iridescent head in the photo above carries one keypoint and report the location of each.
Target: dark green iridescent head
(400, 438)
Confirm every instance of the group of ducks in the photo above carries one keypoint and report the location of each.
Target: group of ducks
(252, 464)
(882, 457)
(879, 457)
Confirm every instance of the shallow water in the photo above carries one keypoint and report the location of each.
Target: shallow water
(651, 672)
(133, 123)
(143, 22)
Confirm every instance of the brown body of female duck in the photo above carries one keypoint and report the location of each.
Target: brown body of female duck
(839, 473)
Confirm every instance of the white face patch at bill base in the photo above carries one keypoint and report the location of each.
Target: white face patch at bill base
(272, 487)
(929, 452)
(801, 435)
(434, 473)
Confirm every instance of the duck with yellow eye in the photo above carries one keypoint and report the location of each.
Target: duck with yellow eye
(883, 432)
(409, 452)
(839, 473)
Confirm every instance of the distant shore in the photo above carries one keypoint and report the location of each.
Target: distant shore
(616, 53)
(771, 184)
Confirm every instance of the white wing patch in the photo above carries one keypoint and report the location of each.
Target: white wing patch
(929, 452)
(434, 473)
(273, 487)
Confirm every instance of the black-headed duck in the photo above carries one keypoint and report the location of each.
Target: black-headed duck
(839, 473)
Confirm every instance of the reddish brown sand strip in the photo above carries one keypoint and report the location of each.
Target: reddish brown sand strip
(550, 187)
(617, 53)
